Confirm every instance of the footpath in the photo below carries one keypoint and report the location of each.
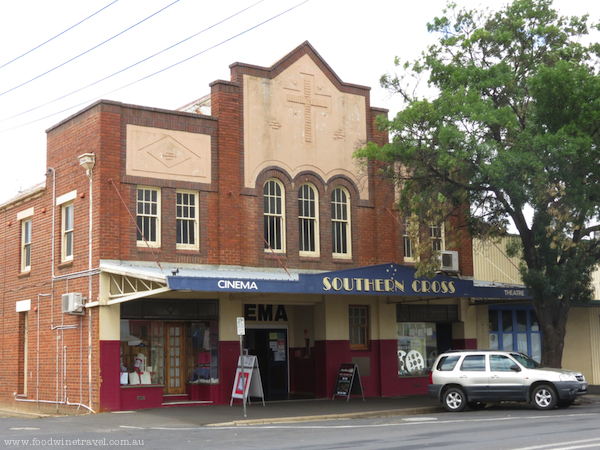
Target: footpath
(274, 412)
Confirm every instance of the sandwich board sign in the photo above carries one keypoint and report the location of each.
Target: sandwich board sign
(348, 382)
(251, 385)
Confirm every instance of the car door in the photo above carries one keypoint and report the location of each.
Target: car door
(473, 376)
(506, 383)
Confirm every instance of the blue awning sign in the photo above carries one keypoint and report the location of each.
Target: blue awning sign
(383, 279)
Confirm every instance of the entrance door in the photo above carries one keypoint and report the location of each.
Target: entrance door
(271, 347)
(175, 347)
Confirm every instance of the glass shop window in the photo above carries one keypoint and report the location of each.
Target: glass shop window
(142, 352)
(202, 352)
(417, 348)
(515, 329)
(144, 344)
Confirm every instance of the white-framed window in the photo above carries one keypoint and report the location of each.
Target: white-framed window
(26, 245)
(308, 220)
(67, 225)
(148, 216)
(274, 215)
(408, 245)
(187, 220)
(436, 233)
(340, 223)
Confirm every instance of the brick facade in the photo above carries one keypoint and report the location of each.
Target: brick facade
(55, 366)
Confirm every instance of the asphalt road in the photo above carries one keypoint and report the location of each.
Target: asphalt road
(517, 427)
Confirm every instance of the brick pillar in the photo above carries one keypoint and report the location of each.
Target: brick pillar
(226, 105)
(384, 199)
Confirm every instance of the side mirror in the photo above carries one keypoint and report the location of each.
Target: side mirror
(515, 368)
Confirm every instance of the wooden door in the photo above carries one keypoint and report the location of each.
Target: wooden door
(175, 347)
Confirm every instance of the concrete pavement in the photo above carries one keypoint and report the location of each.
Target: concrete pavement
(273, 411)
(285, 411)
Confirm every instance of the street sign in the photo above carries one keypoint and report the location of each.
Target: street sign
(241, 327)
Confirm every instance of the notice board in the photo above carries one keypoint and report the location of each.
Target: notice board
(348, 382)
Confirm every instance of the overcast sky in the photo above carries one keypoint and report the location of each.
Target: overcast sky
(358, 39)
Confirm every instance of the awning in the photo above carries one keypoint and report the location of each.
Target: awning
(132, 280)
(383, 279)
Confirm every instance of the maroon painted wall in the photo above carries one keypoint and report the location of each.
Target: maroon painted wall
(110, 371)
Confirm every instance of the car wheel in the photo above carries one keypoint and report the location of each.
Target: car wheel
(455, 400)
(476, 406)
(544, 397)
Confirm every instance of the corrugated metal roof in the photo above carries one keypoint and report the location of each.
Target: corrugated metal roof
(141, 268)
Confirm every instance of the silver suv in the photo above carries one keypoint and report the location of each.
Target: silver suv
(472, 377)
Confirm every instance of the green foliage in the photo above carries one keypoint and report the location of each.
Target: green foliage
(512, 122)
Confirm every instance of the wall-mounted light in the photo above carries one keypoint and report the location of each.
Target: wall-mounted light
(87, 161)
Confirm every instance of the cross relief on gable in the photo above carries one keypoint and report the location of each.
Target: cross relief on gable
(300, 120)
(310, 98)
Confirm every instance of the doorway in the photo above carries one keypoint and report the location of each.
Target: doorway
(175, 347)
(270, 345)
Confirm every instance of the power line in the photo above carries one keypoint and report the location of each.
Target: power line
(160, 71)
(87, 51)
(59, 34)
(133, 65)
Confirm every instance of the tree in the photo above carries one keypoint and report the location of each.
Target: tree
(513, 123)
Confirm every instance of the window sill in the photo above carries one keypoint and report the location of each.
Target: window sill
(360, 349)
(65, 264)
(146, 249)
(310, 258)
(24, 274)
(343, 260)
(275, 256)
(187, 251)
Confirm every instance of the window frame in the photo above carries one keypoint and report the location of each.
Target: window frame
(360, 346)
(157, 217)
(304, 219)
(405, 239)
(194, 220)
(67, 234)
(533, 332)
(437, 237)
(347, 221)
(278, 217)
(26, 245)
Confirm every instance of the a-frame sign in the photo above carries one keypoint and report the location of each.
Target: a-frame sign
(252, 381)
(348, 382)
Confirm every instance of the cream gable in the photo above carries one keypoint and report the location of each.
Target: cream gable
(168, 154)
(300, 121)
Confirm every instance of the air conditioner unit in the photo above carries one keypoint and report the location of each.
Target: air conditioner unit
(72, 304)
(449, 261)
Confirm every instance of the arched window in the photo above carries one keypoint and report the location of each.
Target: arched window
(308, 226)
(340, 223)
(274, 215)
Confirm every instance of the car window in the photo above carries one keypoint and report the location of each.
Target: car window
(526, 360)
(447, 363)
(500, 363)
(473, 363)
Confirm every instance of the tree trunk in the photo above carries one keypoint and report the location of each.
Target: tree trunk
(552, 315)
